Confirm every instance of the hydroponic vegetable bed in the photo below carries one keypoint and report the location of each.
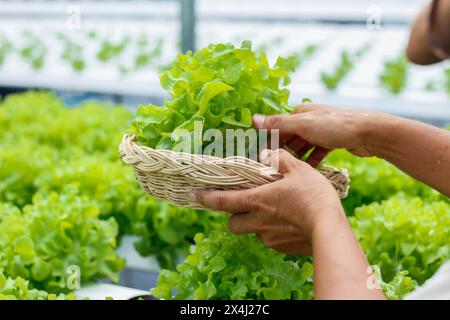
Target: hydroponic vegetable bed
(121, 57)
(72, 214)
(67, 202)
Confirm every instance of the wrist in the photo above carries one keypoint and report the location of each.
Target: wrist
(329, 224)
(376, 132)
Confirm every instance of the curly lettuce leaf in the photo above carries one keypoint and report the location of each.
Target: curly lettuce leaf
(221, 86)
(225, 266)
(55, 232)
(19, 289)
(404, 233)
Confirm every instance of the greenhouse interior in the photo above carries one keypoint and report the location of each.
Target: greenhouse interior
(99, 198)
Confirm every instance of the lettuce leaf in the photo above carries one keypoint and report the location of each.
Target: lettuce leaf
(221, 86)
(225, 266)
(404, 233)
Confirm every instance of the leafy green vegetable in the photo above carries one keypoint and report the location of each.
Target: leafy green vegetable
(431, 85)
(224, 266)
(373, 179)
(400, 286)
(45, 155)
(346, 63)
(395, 75)
(56, 231)
(305, 54)
(72, 53)
(219, 87)
(404, 238)
(6, 48)
(19, 289)
(109, 50)
(167, 230)
(42, 117)
(145, 54)
(92, 35)
(20, 167)
(404, 233)
(266, 46)
(34, 51)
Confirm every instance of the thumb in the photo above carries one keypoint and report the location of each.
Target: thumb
(282, 160)
(289, 124)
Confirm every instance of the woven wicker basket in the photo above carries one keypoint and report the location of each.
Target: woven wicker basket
(171, 175)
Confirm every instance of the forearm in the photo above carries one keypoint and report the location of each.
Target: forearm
(421, 150)
(341, 270)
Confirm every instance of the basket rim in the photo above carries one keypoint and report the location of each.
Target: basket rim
(172, 175)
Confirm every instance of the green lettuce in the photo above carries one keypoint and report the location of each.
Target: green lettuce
(40, 242)
(19, 289)
(374, 179)
(395, 75)
(404, 233)
(225, 266)
(45, 155)
(219, 87)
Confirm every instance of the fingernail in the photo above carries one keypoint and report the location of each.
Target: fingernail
(258, 120)
(193, 195)
(265, 156)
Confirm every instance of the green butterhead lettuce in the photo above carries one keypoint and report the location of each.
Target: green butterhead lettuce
(225, 266)
(219, 86)
(404, 233)
(19, 289)
(40, 242)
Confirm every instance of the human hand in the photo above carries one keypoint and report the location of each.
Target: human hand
(284, 214)
(323, 127)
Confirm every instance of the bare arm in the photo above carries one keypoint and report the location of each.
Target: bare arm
(421, 150)
(341, 270)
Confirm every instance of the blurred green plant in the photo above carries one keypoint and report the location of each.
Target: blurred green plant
(404, 233)
(34, 51)
(374, 179)
(331, 80)
(40, 242)
(46, 155)
(394, 75)
(19, 289)
(6, 48)
(110, 50)
(305, 54)
(72, 53)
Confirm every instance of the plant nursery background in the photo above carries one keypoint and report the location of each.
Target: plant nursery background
(74, 222)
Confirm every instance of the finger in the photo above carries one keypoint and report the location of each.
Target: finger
(317, 156)
(243, 223)
(274, 141)
(233, 201)
(305, 107)
(280, 159)
(287, 124)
